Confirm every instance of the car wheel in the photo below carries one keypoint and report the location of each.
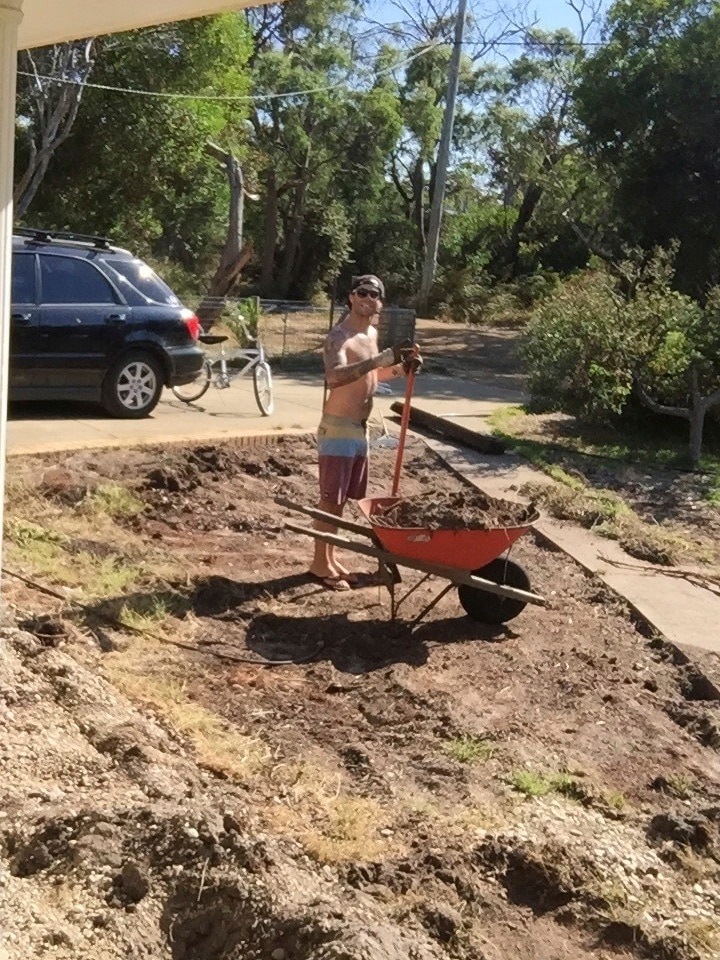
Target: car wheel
(132, 386)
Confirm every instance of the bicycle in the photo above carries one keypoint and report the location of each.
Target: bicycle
(222, 378)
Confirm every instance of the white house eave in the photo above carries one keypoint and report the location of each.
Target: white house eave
(52, 21)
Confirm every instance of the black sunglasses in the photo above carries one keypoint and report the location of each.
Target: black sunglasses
(362, 293)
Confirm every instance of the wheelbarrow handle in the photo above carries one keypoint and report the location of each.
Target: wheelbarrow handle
(340, 522)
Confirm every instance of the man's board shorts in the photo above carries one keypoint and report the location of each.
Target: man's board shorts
(343, 458)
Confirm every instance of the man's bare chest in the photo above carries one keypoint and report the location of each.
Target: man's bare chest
(359, 347)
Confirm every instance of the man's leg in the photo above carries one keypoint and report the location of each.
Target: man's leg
(323, 564)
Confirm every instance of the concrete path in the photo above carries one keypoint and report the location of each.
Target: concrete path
(682, 612)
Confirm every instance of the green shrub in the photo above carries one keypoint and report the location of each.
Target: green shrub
(595, 337)
(243, 321)
(576, 349)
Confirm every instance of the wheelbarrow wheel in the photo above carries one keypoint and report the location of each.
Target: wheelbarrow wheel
(489, 607)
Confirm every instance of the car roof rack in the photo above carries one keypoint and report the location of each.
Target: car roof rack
(47, 236)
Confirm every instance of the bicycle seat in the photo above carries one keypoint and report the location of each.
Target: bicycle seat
(211, 338)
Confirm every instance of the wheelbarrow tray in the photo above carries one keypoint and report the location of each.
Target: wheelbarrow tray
(460, 548)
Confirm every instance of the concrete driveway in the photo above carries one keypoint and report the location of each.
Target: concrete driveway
(222, 414)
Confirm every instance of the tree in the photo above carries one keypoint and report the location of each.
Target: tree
(51, 85)
(135, 167)
(650, 99)
(315, 152)
(235, 253)
(535, 157)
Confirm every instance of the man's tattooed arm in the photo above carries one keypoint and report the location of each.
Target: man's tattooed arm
(342, 374)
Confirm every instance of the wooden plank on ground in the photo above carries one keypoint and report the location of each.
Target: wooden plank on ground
(474, 439)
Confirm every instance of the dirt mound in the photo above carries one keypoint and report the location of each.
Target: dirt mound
(545, 790)
(461, 510)
(94, 862)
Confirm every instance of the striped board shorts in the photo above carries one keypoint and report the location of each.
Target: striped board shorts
(343, 458)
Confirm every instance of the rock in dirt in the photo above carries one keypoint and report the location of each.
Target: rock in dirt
(441, 921)
(63, 485)
(439, 510)
(690, 830)
(133, 882)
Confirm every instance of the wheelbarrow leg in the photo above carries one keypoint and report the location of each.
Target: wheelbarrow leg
(423, 613)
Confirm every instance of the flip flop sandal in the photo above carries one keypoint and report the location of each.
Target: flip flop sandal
(339, 584)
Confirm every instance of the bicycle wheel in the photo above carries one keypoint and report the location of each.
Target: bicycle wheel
(187, 392)
(262, 385)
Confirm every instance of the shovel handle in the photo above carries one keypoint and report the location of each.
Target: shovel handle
(410, 384)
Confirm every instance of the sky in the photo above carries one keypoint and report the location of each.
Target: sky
(548, 14)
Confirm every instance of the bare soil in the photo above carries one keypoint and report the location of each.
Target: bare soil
(545, 789)
(460, 510)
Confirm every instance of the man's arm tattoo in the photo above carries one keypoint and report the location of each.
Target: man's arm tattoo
(341, 376)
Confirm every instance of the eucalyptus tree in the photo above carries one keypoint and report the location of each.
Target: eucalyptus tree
(321, 131)
(51, 83)
(135, 167)
(650, 99)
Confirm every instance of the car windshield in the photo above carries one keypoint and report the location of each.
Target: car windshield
(144, 279)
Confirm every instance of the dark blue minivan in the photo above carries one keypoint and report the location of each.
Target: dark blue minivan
(90, 321)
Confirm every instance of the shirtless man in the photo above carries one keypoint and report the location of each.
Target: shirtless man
(353, 367)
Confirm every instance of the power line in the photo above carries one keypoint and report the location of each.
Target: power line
(226, 98)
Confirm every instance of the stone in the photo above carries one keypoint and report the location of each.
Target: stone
(134, 882)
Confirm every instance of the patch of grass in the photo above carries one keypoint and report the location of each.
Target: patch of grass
(679, 785)
(614, 894)
(534, 784)
(144, 612)
(113, 499)
(702, 934)
(712, 491)
(314, 806)
(218, 745)
(608, 515)
(348, 831)
(26, 532)
(468, 748)
(506, 416)
(644, 444)
(40, 554)
(106, 577)
(614, 799)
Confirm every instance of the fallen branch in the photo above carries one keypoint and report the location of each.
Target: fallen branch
(706, 581)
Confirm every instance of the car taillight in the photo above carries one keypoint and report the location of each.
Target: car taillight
(193, 325)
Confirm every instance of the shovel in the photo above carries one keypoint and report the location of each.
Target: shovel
(409, 387)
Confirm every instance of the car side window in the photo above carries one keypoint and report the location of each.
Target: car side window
(68, 280)
(23, 278)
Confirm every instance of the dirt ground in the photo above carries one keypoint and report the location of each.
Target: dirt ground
(548, 789)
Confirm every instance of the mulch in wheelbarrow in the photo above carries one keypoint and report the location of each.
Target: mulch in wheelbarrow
(441, 510)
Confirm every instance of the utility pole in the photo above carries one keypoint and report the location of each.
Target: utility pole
(436, 209)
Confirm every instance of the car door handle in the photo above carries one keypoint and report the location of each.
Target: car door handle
(116, 319)
(21, 319)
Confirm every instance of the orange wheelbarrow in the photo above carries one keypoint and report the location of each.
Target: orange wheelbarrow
(491, 588)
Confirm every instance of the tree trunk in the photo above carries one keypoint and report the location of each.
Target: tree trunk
(418, 208)
(234, 255)
(697, 426)
(694, 413)
(296, 222)
(504, 266)
(267, 269)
